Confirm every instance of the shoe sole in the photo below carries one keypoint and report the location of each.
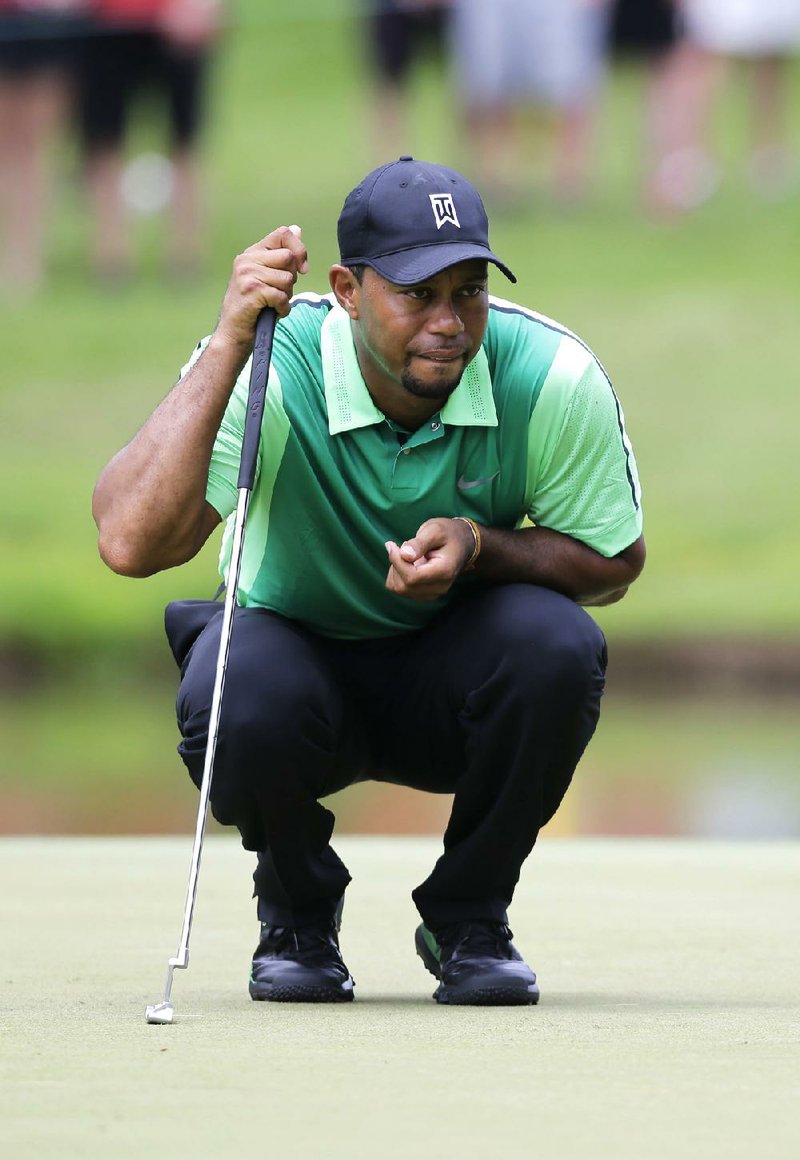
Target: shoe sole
(520, 995)
(488, 996)
(299, 995)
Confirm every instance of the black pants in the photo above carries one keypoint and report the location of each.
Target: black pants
(494, 702)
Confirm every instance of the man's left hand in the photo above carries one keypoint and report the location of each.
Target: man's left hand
(425, 567)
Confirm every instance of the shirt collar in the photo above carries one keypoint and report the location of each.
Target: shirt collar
(350, 404)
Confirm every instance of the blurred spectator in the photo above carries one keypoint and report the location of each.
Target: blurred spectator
(397, 32)
(765, 33)
(514, 53)
(138, 45)
(649, 31)
(38, 39)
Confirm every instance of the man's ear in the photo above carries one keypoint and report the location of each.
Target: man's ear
(345, 286)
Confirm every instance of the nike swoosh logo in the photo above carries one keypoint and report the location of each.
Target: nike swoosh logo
(468, 484)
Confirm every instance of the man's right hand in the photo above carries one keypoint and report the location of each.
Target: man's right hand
(264, 275)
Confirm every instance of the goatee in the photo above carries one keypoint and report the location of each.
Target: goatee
(429, 390)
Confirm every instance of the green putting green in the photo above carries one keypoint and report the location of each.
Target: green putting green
(669, 1023)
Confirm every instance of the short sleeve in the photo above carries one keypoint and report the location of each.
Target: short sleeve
(221, 490)
(582, 473)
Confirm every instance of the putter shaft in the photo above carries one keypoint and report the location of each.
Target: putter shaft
(259, 373)
(180, 961)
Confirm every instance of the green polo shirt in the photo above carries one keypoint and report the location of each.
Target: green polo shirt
(533, 429)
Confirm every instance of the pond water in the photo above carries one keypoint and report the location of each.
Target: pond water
(701, 767)
(89, 756)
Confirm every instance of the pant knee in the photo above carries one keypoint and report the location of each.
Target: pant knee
(553, 639)
(276, 753)
(574, 646)
(283, 714)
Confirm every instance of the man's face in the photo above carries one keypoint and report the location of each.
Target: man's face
(420, 337)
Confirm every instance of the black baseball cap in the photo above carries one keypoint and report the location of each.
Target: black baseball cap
(412, 219)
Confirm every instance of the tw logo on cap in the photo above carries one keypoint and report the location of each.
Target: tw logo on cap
(444, 210)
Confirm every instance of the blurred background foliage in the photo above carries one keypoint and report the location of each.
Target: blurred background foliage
(694, 318)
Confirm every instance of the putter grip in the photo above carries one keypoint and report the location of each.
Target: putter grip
(259, 373)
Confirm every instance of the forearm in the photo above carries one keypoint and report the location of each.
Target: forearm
(542, 556)
(149, 502)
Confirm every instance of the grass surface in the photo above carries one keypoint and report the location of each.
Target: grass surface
(668, 1025)
(694, 320)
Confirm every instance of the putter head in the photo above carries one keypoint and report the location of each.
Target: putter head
(160, 1013)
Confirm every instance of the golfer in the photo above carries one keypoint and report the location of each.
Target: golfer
(395, 620)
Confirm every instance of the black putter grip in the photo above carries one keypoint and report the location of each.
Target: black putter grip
(259, 373)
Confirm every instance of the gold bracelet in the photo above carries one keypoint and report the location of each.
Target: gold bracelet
(476, 532)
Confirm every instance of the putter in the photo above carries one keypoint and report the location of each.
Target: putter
(164, 1012)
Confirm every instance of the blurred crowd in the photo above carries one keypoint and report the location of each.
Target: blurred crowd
(87, 62)
(512, 56)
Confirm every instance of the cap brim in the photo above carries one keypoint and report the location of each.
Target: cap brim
(410, 266)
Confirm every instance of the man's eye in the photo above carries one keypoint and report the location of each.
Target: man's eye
(418, 292)
(473, 291)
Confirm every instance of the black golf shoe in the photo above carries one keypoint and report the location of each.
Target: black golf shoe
(477, 965)
(300, 965)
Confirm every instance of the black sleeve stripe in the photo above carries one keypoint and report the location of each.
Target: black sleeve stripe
(625, 447)
(315, 303)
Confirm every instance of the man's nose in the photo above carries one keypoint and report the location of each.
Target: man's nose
(446, 319)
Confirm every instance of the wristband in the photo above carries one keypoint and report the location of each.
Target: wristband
(476, 535)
